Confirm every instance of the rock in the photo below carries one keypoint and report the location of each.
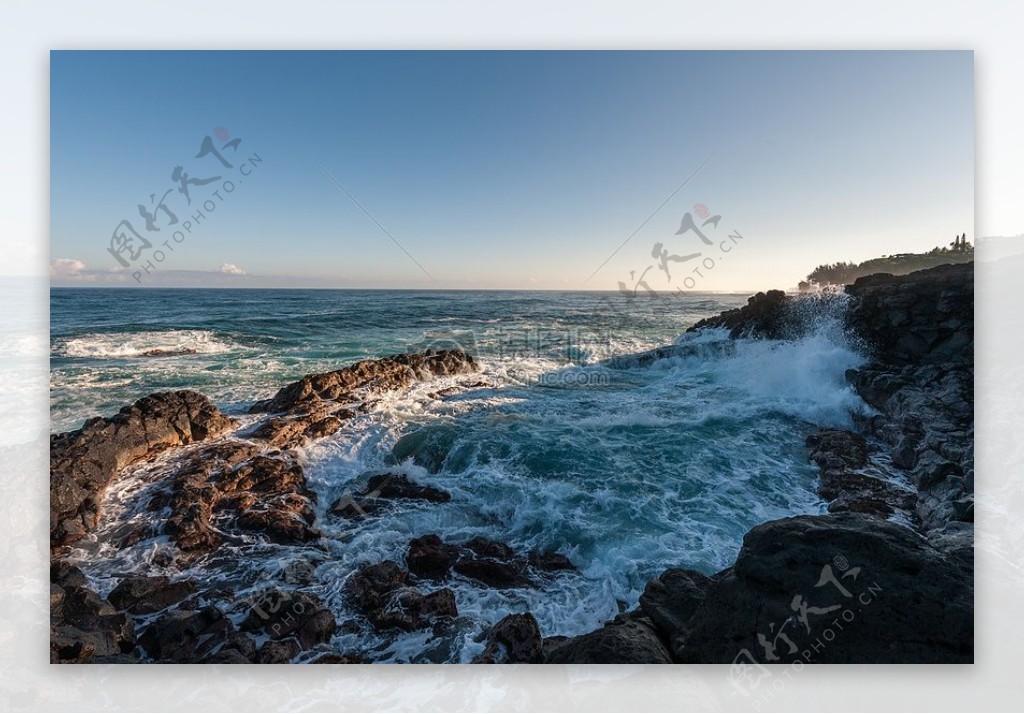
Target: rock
(838, 449)
(184, 636)
(265, 492)
(380, 592)
(428, 557)
(409, 609)
(83, 462)
(337, 658)
(285, 615)
(491, 563)
(366, 377)
(764, 315)
(85, 627)
(672, 601)
(924, 317)
(169, 353)
(549, 560)
(493, 573)
(277, 652)
(370, 584)
(515, 639)
(624, 640)
(382, 488)
(883, 593)
(486, 561)
(140, 594)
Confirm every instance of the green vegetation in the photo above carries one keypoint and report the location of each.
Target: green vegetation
(960, 250)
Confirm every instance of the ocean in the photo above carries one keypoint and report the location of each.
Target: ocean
(565, 440)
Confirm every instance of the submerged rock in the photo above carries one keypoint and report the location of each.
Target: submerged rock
(382, 489)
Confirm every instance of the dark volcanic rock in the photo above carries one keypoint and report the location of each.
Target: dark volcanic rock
(428, 557)
(515, 639)
(764, 315)
(142, 594)
(926, 316)
(278, 652)
(486, 561)
(381, 489)
(628, 639)
(83, 462)
(672, 600)
(883, 593)
(296, 616)
(849, 481)
(336, 658)
(266, 493)
(85, 627)
(372, 376)
(491, 563)
(381, 592)
(186, 635)
(549, 560)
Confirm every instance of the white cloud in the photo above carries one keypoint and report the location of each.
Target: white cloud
(230, 269)
(65, 267)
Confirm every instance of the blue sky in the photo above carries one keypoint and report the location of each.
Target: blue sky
(508, 169)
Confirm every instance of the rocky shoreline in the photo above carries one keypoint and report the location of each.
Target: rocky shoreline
(885, 576)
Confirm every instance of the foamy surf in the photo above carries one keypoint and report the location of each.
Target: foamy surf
(143, 344)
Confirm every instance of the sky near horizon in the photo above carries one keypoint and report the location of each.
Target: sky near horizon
(508, 170)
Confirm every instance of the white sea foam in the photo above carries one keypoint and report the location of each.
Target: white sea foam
(137, 344)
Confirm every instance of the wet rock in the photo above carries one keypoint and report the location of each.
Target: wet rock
(141, 594)
(182, 351)
(285, 615)
(491, 563)
(366, 377)
(672, 601)
(84, 626)
(381, 592)
(428, 557)
(83, 462)
(370, 584)
(265, 492)
(515, 639)
(483, 560)
(549, 561)
(764, 315)
(408, 609)
(381, 489)
(628, 639)
(910, 601)
(924, 317)
(277, 652)
(187, 635)
(337, 658)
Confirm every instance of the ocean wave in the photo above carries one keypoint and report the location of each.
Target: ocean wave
(166, 343)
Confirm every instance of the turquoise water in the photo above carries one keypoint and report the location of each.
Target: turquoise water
(626, 467)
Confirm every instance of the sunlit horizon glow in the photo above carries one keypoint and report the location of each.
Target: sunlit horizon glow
(509, 170)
